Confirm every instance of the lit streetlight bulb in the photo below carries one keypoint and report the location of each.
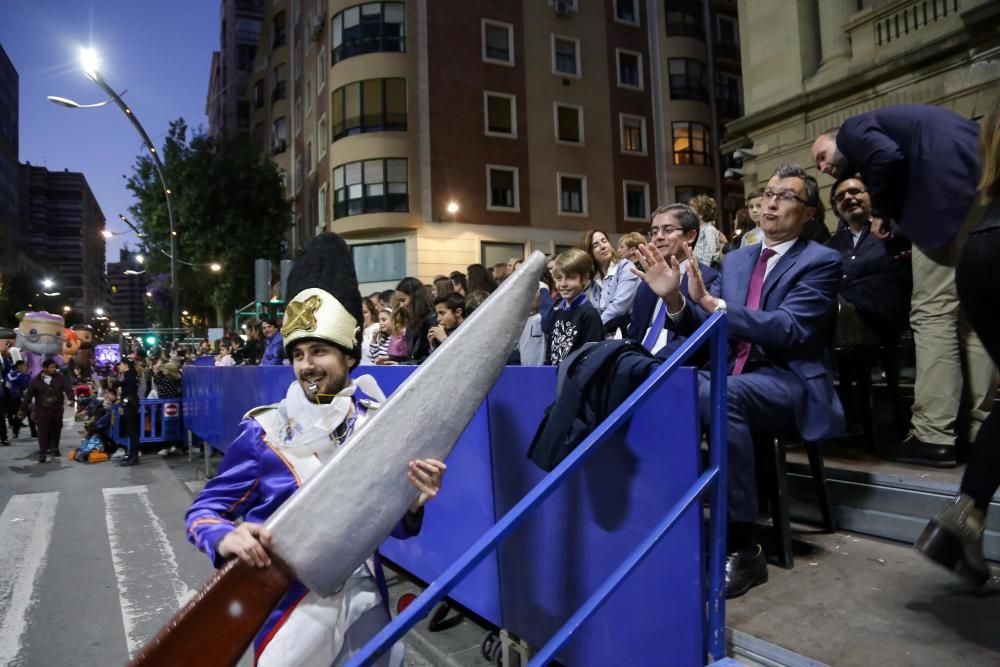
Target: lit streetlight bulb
(215, 266)
(140, 258)
(452, 207)
(48, 283)
(106, 233)
(90, 62)
(98, 311)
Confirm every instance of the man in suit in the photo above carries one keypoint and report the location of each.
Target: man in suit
(921, 165)
(875, 285)
(779, 296)
(674, 231)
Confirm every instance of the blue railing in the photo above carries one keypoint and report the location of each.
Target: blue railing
(160, 420)
(713, 479)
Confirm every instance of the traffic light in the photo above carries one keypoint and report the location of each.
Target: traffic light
(151, 340)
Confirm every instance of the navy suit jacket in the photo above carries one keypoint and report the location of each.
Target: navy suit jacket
(921, 165)
(792, 326)
(645, 303)
(874, 281)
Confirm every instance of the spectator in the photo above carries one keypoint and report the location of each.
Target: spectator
(378, 346)
(419, 317)
(459, 283)
(499, 272)
(376, 299)
(479, 279)
(954, 538)
(755, 206)
(46, 390)
(450, 310)
(442, 287)
(628, 244)
(875, 285)
(742, 225)
(387, 298)
(920, 164)
(274, 344)
(512, 264)
(674, 232)
(531, 348)
(225, 357)
(397, 347)
(167, 380)
(574, 320)
(781, 376)
(370, 327)
(708, 250)
(130, 395)
(474, 300)
(613, 286)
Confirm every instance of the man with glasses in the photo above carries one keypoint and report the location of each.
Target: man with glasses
(921, 165)
(779, 296)
(875, 284)
(674, 232)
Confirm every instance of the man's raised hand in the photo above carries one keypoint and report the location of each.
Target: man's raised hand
(662, 276)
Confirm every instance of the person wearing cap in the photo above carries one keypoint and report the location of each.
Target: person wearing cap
(281, 446)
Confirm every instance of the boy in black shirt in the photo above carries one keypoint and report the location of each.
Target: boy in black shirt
(574, 319)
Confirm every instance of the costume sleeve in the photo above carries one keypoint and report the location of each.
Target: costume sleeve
(620, 303)
(229, 494)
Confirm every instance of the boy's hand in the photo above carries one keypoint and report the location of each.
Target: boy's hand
(437, 333)
(247, 543)
(426, 476)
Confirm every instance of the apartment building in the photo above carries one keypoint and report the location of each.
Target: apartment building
(437, 134)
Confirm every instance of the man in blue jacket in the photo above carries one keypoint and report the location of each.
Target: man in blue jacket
(921, 165)
(274, 344)
(674, 231)
(780, 296)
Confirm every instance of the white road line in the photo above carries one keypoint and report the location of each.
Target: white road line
(25, 533)
(149, 587)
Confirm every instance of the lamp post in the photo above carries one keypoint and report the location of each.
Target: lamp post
(90, 64)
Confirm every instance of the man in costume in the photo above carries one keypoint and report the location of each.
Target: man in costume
(281, 446)
(7, 407)
(47, 390)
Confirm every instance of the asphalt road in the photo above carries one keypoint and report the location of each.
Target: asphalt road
(93, 558)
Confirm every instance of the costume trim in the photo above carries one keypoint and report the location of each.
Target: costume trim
(277, 626)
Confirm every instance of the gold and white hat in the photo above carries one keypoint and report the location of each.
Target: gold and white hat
(327, 303)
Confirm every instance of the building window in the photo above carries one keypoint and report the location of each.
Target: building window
(498, 42)
(501, 188)
(501, 114)
(729, 37)
(572, 194)
(279, 135)
(320, 70)
(321, 136)
(636, 200)
(375, 105)
(321, 208)
(684, 19)
(297, 116)
(297, 175)
(565, 56)
(687, 79)
(379, 262)
(258, 95)
(633, 134)
(375, 27)
(309, 157)
(691, 144)
(569, 123)
(370, 186)
(685, 193)
(309, 94)
(279, 82)
(729, 95)
(279, 34)
(627, 11)
(498, 252)
(629, 69)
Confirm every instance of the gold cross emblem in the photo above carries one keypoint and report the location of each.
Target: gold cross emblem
(301, 315)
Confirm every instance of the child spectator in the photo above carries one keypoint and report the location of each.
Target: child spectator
(574, 320)
(420, 318)
(398, 349)
(450, 311)
(224, 358)
(628, 244)
(378, 347)
(530, 350)
(369, 328)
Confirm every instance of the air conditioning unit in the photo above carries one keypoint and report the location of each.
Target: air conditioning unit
(563, 8)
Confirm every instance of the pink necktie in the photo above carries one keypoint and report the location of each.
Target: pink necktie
(753, 303)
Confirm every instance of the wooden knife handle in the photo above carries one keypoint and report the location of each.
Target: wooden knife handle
(215, 628)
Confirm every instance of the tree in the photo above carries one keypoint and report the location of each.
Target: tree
(229, 207)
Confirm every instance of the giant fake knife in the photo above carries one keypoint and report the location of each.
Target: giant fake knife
(347, 509)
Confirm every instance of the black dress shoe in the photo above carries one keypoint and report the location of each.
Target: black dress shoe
(55, 453)
(913, 450)
(129, 462)
(6, 443)
(41, 457)
(744, 570)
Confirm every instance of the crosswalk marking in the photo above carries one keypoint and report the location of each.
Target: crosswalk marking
(145, 564)
(25, 533)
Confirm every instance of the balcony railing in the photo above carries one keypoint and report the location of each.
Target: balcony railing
(898, 26)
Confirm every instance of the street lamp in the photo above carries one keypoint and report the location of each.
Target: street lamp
(91, 64)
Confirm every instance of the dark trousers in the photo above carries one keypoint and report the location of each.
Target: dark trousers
(130, 425)
(764, 400)
(978, 295)
(49, 424)
(6, 415)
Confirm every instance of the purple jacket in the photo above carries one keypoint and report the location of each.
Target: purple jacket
(253, 480)
(274, 350)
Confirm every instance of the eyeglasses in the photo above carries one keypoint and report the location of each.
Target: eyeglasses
(665, 230)
(843, 194)
(787, 196)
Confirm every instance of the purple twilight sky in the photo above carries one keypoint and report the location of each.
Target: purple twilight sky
(159, 51)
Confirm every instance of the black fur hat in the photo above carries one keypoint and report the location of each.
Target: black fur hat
(324, 270)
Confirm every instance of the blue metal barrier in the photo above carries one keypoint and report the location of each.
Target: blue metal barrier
(712, 480)
(160, 420)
